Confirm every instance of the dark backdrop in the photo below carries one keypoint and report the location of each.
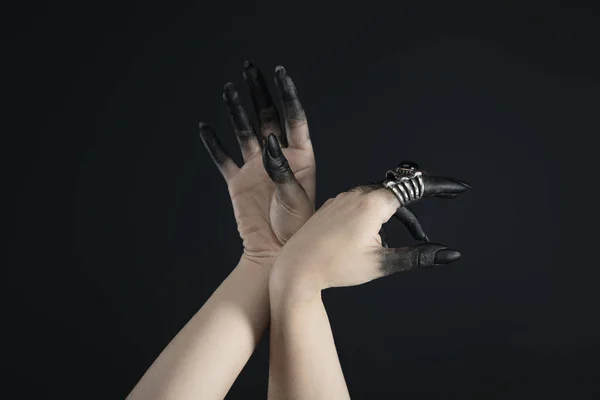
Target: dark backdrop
(123, 225)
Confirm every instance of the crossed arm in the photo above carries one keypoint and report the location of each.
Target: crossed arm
(273, 201)
(206, 356)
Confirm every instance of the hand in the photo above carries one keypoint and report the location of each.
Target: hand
(411, 184)
(340, 246)
(269, 207)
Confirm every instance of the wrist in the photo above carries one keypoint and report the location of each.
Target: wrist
(262, 263)
(292, 287)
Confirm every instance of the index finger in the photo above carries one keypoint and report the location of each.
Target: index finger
(379, 199)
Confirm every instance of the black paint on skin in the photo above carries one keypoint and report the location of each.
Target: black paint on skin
(242, 125)
(268, 116)
(424, 255)
(383, 236)
(436, 186)
(410, 220)
(293, 112)
(213, 144)
(439, 185)
(442, 187)
(275, 163)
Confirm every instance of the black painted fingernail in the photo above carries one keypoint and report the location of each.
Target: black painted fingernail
(426, 238)
(273, 146)
(229, 92)
(201, 125)
(465, 184)
(446, 256)
(248, 64)
(280, 72)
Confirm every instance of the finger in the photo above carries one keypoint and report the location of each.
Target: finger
(409, 219)
(380, 200)
(217, 152)
(241, 123)
(446, 195)
(424, 255)
(367, 188)
(296, 125)
(268, 117)
(289, 191)
(383, 199)
(383, 236)
(435, 185)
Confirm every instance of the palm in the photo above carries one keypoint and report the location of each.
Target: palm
(268, 207)
(253, 196)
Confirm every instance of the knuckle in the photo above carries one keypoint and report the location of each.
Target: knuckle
(372, 200)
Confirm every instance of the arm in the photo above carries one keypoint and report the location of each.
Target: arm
(206, 356)
(303, 359)
(270, 203)
(345, 250)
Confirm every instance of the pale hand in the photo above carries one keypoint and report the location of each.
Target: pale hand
(270, 202)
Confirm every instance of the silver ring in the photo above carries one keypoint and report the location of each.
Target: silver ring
(394, 188)
(406, 182)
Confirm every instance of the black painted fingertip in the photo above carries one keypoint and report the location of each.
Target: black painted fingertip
(273, 146)
(265, 109)
(465, 184)
(446, 195)
(285, 84)
(439, 184)
(446, 256)
(229, 92)
(212, 143)
(252, 73)
(411, 222)
(435, 254)
(275, 163)
(237, 115)
(280, 71)
(423, 255)
(292, 107)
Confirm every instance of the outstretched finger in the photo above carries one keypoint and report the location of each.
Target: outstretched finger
(424, 255)
(242, 126)
(446, 195)
(268, 116)
(435, 185)
(217, 152)
(296, 125)
(410, 220)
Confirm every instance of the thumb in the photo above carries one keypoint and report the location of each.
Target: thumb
(290, 193)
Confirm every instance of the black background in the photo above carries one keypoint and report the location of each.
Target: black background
(123, 226)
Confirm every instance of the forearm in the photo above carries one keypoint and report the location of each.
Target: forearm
(303, 359)
(206, 356)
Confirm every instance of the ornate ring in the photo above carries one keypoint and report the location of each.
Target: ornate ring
(406, 182)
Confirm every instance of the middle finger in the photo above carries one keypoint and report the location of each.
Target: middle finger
(268, 116)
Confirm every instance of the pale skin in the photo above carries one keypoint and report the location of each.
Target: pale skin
(345, 250)
(285, 264)
(206, 356)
